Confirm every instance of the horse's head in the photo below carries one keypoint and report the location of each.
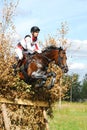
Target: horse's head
(58, 55)
(62, 60)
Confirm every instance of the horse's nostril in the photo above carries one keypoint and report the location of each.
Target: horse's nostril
(66, 70)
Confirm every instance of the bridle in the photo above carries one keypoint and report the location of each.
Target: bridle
(60, 60)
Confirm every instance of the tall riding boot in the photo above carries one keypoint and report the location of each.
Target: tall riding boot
(19, 63)
(26, 78)
(16, 66)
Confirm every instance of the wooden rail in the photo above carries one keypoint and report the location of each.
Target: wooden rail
(24, 102)
(6, 119)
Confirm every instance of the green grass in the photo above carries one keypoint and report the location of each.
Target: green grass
(71, 116)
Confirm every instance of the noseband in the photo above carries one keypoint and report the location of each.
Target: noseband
(59, 61)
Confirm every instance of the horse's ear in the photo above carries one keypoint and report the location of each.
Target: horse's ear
(60, 48)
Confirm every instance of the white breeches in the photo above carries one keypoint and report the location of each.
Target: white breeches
(19, 53)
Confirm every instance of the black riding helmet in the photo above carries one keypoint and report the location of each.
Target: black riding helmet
(34, 29)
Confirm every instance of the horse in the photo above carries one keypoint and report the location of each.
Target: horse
(35, 66)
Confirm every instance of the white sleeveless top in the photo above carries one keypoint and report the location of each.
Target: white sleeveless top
(28, 44)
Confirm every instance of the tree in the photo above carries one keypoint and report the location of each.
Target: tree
(6, 49)
(84, 88)
(62, 32)
(74, 87)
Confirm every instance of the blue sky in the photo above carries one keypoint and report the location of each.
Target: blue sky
(48, 15)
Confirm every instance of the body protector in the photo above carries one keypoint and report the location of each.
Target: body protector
(27, 45)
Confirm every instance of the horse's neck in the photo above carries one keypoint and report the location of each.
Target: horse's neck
(52, 53)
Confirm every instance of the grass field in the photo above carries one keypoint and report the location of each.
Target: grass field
(71, 116)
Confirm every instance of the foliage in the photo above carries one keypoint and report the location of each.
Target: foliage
(84, 88)
(8, 12)
(24, 117)
(74, 87)
(7, 80)
(62, 32)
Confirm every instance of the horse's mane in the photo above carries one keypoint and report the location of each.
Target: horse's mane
(47, 49)
(52, 47)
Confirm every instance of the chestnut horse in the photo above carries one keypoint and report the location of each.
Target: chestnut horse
(36, 65)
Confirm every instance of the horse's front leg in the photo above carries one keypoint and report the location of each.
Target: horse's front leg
(40, 84)
(39, 75)
(53, 75)
(43, 76)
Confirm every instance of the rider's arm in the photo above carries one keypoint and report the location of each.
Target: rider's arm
(38, 48)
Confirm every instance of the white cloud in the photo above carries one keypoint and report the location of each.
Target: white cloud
(77, 55)
(78, 66)
(78, 45)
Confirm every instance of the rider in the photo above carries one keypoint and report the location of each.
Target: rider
(29, 44)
